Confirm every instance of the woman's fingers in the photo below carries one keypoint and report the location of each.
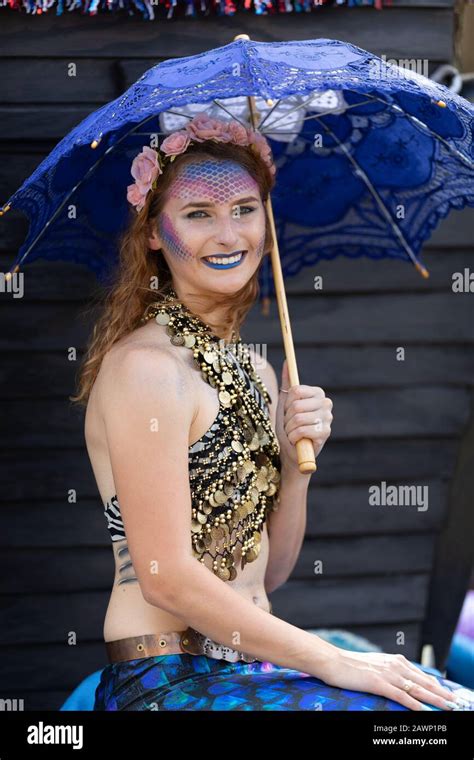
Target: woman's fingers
(430, 682)
(428, 695)
(390, 691)
(308, 431)
(424, 690)
(413, 700)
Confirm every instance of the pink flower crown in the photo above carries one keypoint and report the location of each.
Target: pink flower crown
(149, 164)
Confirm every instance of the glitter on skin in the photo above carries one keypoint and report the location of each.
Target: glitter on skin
(171, 239)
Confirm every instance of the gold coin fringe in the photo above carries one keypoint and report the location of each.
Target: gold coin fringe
(235, 480)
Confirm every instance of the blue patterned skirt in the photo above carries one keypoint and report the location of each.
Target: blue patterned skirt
(197, 682)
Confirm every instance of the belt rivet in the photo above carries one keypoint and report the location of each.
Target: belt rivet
(185, 641)
(140, 647)
(162, 642)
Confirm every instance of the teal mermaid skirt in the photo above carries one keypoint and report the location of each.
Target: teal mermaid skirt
(197, 682)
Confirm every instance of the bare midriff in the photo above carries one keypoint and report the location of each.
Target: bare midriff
(129, 614)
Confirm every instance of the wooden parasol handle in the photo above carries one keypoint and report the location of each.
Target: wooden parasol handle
(304, 447)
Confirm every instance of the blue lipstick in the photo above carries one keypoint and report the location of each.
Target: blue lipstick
(226, 266)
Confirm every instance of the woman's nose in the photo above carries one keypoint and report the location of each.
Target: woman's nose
(226, 232)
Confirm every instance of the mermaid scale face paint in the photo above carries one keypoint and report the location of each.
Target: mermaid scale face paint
(172, 240)
(261, 245)
(212, 182)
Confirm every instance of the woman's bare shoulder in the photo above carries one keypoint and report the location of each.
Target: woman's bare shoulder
(141, 362)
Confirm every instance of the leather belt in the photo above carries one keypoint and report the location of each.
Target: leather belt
(188, 641)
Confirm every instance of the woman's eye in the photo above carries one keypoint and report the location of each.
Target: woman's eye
(239, 212)
(236, 212)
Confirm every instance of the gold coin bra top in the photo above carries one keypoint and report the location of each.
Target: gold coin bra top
(234, 468)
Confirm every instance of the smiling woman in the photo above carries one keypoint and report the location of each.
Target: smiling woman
(188, 488)
(212, 215)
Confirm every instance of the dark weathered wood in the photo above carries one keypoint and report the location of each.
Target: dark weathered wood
(24, 670)
(345, 511)
(57, 570)
(341, 557)
(57, 617)
(388, 318)
(419, 32)
(56, 524)
(455, 555)
(320, 603)
(364, 367)
(50, 374)
(62, 81)
(50, 122)
(443, 256)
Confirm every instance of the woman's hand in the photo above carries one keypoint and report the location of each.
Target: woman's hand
(385, 674)
(303, 412)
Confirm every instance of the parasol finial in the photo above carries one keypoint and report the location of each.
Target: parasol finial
(10, 274)
(423, 270)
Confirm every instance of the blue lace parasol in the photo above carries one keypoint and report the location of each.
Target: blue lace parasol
(369, 156)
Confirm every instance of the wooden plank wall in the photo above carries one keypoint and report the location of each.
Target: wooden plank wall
(386, 570)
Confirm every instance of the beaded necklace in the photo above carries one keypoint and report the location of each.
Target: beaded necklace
(236, 482)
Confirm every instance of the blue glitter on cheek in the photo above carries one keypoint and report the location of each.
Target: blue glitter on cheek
(171, 239)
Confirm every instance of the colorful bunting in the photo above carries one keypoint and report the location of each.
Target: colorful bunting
(167, 9)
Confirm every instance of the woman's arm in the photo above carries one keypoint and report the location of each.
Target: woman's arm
(287, 524)
(148, 413)
(286, 527)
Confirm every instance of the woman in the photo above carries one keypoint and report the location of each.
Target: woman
(187, 439)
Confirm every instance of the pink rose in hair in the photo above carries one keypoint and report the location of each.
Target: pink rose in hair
(175, 143)
(135, 196)
(261, 143)
(237, 132)
(262, 147)
(224, 136)
(145, 169)
(203, 127)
